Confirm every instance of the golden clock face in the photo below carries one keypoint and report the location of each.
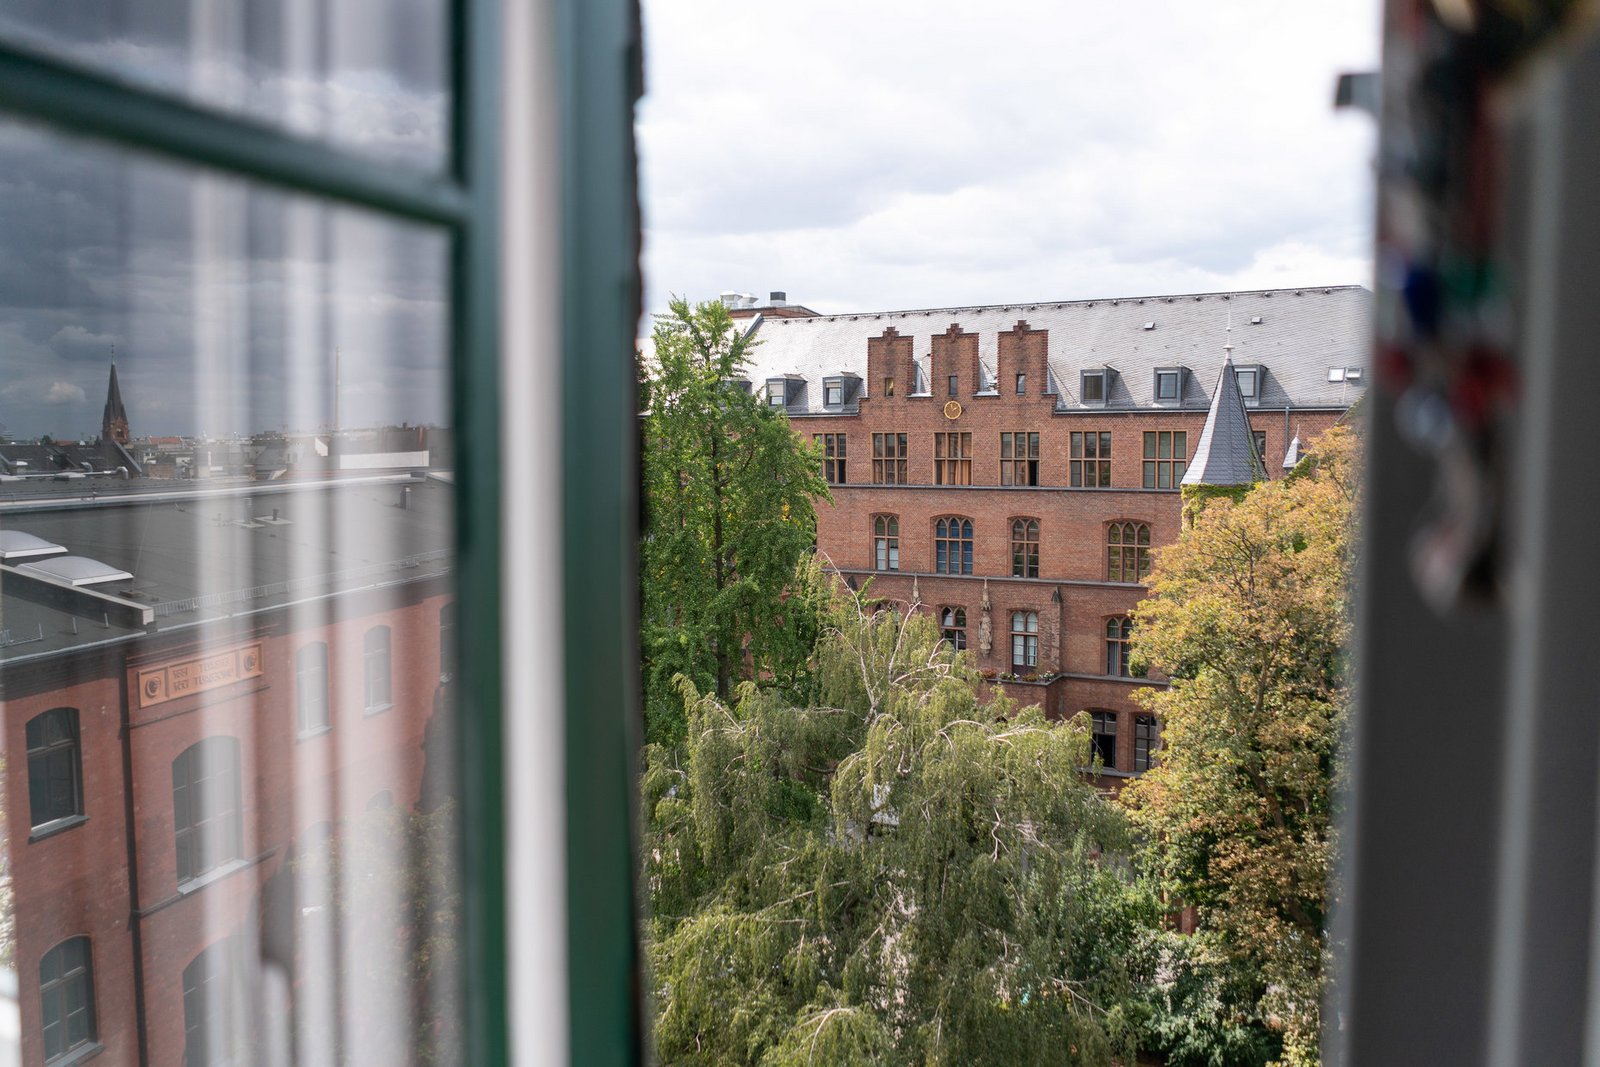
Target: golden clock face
(952, 410)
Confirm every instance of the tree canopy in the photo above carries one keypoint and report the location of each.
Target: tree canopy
(896, 874)
(729, 516)
(1249, 617)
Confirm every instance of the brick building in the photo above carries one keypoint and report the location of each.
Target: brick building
(200, 685)
(1011, 468)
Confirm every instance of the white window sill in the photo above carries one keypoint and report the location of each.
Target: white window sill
(378, 709)
(215, 874)
(78, 1055)
(55, 826)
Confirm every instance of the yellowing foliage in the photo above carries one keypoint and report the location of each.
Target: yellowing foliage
(1248, 616)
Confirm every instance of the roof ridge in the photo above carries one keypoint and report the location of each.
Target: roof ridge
(1083, 301)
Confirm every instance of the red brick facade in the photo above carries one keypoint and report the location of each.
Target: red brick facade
(1072, 595)
(113, 877)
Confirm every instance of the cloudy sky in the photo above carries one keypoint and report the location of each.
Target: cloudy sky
(884, 154)
(225, 304)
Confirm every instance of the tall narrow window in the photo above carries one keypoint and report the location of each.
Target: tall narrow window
(375, 661)
(1146, 740)
(1024, 548)
(889, 458)
(66, 999)
(311, 688)
(952, 382)
(1022, 384)
(1127, 552)
(1024, 640)
(55, 767)
(1165, 454)
(1103, 736)
(447, 642)
(212, 1007)
(886, 542)
(206, 815)
(1260, 438)
(1019, 458)
(833, 456)
(952, 459)
(1119, 640)
(1091, 459)
(953, 627)
(888, 387)
(952, 546)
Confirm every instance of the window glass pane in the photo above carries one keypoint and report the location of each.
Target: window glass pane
(371, 76)
(267, 467)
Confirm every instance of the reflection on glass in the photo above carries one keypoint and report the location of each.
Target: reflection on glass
(226, 578)
(370, 75)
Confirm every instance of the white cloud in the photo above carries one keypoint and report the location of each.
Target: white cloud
(894, 155)
(63, 393)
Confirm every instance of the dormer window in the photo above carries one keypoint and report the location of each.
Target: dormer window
(833, 393)
(1249, 379)
(741, 385)
(777, 392)
(1092, 386)
(1169, 385)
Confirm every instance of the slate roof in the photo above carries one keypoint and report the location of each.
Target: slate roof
(1301, 335)
(1226, 453)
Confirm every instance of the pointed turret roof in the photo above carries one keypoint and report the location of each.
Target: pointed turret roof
(1226, 454)
(114, 411)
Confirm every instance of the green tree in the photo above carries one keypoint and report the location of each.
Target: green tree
(895, 874)
(1248, 617)
(729, 491)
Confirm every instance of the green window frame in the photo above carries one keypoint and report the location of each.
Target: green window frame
(596, 46)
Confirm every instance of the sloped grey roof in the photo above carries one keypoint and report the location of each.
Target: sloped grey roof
(1302, 334)
(1226, 454)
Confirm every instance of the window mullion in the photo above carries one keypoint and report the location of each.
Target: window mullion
(84, 102)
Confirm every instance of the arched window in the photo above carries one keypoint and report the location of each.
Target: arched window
(311, 688)
(66, 999)
(55, 767)
(1024, 640)
(212, 1007)
(886, 542)
(1119, 638)
(1025, 548)
(953, 626)
(952, 546)
(1127, 551)
(375, 663)
(206, 810)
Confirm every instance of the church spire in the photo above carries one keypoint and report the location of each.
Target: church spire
(114, 422)
(1226, 454)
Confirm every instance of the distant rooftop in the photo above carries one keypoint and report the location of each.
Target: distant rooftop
(1299, 337)
(121, 564)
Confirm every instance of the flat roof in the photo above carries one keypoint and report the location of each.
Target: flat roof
(198, 555)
